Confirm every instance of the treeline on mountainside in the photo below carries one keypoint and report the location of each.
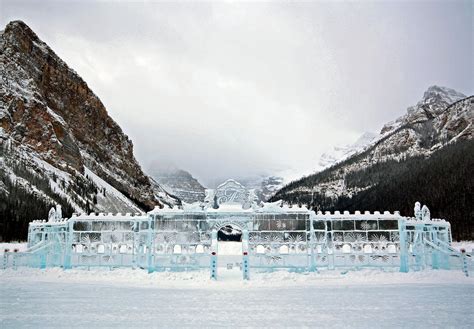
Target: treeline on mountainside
(18, 207)
(20, 204)
(443, 181)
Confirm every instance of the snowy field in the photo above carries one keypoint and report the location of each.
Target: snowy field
(126, 298)
(53, 298)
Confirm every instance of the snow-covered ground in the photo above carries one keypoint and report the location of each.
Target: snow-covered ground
(12, 246)
(466, 245)
(133, 298)
(126, 298)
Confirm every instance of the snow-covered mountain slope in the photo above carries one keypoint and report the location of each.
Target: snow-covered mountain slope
(431, 123)
(340, 153)
(268, 187)
(435, 101)
(58, 141)
(183, 185)
(426, 155)
(441, 117)
(163, 194)
(264, 186)
(179, 182)
(108, 198)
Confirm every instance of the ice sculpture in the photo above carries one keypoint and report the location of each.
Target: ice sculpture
(273, 236)
(417, 210)
(52, 215)
(59, 212)
(425, 213)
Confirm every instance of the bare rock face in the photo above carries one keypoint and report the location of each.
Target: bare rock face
(457, 121)
(46, 109)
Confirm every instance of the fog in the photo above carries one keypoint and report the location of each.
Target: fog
(241, 89)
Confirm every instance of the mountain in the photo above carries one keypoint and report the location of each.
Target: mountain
(340, 153)
(392, 167)
(180, 183)
(268, 187)
(264, 185)
(435, 101)
(58, 143)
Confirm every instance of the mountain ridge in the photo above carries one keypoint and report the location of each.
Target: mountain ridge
(56, 133)
(339, 153)
(428, 127)
(180, 183)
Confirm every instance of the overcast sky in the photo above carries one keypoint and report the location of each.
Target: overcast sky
(231, 89)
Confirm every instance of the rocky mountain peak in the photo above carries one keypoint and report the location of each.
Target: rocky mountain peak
(24, 37)
(424, 154)
(435, 100)
(441, 118)
(437, 93)
(47, 110)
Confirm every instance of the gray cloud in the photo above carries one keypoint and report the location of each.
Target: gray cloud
(236, 89)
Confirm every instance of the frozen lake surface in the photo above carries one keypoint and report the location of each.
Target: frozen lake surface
(132, 298)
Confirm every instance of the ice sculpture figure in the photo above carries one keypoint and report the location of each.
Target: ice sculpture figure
(52, 215)
(425, 213)
(59, 212)
(417, 210)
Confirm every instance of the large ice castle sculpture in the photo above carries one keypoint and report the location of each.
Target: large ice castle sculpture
(273, 236)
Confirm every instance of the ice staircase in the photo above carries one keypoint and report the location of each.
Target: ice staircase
(443, 256)
(39, 255)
